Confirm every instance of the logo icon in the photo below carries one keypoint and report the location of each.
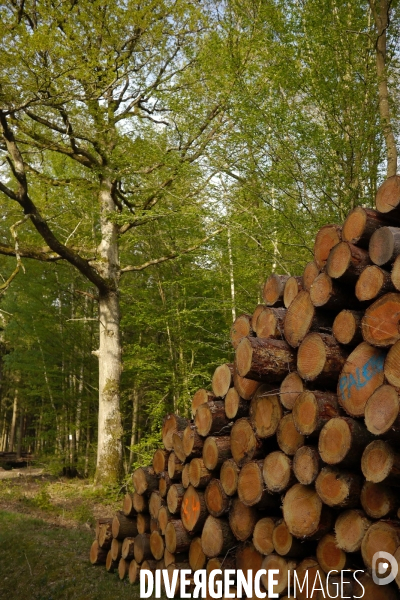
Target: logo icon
(387, 564)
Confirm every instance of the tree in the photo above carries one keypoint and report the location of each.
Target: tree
(102, 118)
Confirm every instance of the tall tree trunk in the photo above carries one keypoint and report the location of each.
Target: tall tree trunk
(380, 10)
(135, 415)
(20, 432)
(13, 422)
(109, 447)
(231, 276)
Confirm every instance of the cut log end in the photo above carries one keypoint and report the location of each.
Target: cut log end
(388, 195)
(274, 288)
(370, 283)
(338, 260)
(222, 380)
(326, 238)
(381, 323)
(262, 535)
(299, 317)
(383, 245)
(250, 483)
(321, 290)
(378, 500)
(290, 388)
(350, 528)
(306, 464)
(242, 519)
(229, 477)
(311, 272)
(382, 410)
(377, 461)
(346, 327)
(330, 557)
(241, 328)
(288, 438)
(335, 441)
(293, 286)
(277, 471)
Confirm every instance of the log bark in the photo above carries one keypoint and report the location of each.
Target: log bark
(329, 294)
(193, 510)
(283, 566)
(302, 317)
(245, 445)
(277, 472)
(211, 419)
(127, 548)
(329, 556)
(163, 484)
(313, 409)
(202, 396)
(177, 445)
(197, 558)
(242, 520)
(339, 489)
(291, 387)
(164, 517)
(380, 462)
(360, 224)
(175, 467)
(373, 283)
(288, 438)
(246, 388)
(384, 246)
(342, 440)
(293, 286)
(216, 537)
(134, 572)
(327, 237)
(144, 480)
(307, 464)
(384, 536)
(98, 555)
(382, 411)
(262, 535)
(100, 522)
(361, 375)
(172, 424)
(199, 475)
(241, 328)
(217, 501)
(215, 451)
(264, 360)
(235, 406)
(350, 528)
(304, 513)
(157, 544)
(140, 503)
(346, 262)
(378, 500)
(192, 443)
(143, 523)
(251, 490)
(310, 273)
(380, 324)
(155, 503)
(177, 539)
(274, 288)
(160, 461)
(141, 548)
(265, 412)
(346, 327)
(270, 323)
(392, 365)
(285, 544)
(222, 380)
(229, 477)
(123, 526)
(321, 359)
(175, 498)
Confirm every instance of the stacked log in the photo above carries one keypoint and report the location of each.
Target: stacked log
(291, 460)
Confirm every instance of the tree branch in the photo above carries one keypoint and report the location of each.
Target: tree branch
(157, 261)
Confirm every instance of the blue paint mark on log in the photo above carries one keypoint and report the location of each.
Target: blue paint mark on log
(362, 375)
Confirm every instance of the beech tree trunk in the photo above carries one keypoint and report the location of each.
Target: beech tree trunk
(109, 446)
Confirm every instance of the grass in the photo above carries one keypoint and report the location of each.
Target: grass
(46, 530)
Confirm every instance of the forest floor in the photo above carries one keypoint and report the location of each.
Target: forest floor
(46, 529)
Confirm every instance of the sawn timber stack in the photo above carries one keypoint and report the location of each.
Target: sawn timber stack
(291, 459)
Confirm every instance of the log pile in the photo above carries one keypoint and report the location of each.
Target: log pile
(291, 461)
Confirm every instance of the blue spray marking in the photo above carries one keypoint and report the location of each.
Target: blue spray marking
(362, 375)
